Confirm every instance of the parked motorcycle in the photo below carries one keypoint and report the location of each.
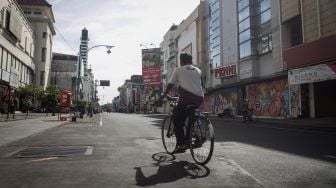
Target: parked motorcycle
(227, 113)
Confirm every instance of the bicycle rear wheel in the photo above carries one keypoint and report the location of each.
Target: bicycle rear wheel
(201, 140)
(168, 135)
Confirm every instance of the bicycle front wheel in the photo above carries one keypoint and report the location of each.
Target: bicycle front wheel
(201, 140)
(168, 135)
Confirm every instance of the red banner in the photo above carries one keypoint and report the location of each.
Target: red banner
(151, 76)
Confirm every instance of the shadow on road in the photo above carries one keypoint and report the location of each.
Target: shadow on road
(299, 141)
(169, 170)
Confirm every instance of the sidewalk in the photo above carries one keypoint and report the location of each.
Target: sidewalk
(15, 130)
(23, 116)
(306, 123)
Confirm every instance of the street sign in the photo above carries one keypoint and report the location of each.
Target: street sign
(104, 82)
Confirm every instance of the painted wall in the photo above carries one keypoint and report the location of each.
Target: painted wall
(270, 99)
(221, 100)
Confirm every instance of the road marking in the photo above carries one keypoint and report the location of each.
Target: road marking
(101, 120)
(329, 156)
(297, 130)
(43, 159)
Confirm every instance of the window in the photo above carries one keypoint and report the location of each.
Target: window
(242, 4)
(265, 10)
(37, 12)
(27, 11)
(7, 21)
(43, 55)
(245, 49)
(265, 16)
(266, 44)
(244, 24)
(44, 35)
(244, 14)
(246, 35)
(42, 78)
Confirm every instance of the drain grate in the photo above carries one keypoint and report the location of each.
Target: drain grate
(58, 151)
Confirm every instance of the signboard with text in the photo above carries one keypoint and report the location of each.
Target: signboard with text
(151, 76)
(312, 74)
(226, 71)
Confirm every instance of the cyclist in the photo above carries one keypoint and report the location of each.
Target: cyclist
(188, 79)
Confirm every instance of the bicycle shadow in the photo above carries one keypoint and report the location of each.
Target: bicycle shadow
(169, 170)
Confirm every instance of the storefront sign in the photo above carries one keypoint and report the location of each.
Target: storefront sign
(226, 71)
(311, 74)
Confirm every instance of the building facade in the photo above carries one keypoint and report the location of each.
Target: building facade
(17, 66)
(309, 54)
(245, 58)
(40, 15)
(64, 71)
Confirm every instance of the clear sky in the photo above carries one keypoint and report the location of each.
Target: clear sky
(124, 24)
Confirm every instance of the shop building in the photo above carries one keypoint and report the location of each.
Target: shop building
(17, 66)
(309, 54)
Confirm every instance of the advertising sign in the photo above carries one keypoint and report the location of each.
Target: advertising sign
(150, 57)
(151, 69)
(151, 76)
(311, 74)
(226, 71)
(65, 99)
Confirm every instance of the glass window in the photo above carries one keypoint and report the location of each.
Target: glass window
(246, 35)
(43, 55)
(244, 14)
(265, 16)
(244, 25)
(264, 5)
(245, 49)
(216, 61)
(42, 78)
(242, 4)
(4, 59)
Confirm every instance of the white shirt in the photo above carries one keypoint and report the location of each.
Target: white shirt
(189, 78)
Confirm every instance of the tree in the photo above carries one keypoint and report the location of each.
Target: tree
(51, 98)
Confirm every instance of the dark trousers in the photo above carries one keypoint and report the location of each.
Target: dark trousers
(181, 113)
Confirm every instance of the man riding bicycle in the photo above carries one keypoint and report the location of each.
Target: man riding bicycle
(188, 79)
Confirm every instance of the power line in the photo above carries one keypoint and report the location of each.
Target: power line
(64, 39)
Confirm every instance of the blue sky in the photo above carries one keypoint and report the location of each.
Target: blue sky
(123, 23)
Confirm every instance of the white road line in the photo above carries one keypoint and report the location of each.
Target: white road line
(101, 120)
(329, 156)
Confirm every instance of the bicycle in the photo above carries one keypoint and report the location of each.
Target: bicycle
(201, 133)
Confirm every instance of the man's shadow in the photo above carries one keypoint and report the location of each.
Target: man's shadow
(169, 170)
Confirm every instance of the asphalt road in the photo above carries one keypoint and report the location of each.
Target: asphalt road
(125, 150)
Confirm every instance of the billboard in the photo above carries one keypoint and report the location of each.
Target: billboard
(151, 76)
(151, 68)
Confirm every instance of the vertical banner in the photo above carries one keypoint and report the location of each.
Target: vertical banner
(151, 69)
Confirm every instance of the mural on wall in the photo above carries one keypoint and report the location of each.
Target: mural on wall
(269, 98)
(221, 100)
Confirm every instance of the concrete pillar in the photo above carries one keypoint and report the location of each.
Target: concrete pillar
(311, 101)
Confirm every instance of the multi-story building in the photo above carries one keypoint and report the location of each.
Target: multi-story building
(87, 81)
(40, 15)
(64, 71)
(309, 54)
(189, 36)
(245, 56)
(17, 65)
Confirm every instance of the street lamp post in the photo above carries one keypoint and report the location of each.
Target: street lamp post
(108, 47)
